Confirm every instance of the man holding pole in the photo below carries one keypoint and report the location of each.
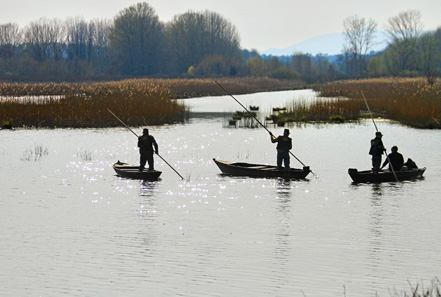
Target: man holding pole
(284, 145)
(146, 143)
(376, 150)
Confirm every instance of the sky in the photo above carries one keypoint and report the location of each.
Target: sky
(261, 24)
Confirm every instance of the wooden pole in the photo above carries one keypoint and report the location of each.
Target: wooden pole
(256, 120)
(138, 136)
(376, 128)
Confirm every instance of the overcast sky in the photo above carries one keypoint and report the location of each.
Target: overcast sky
(276, 24)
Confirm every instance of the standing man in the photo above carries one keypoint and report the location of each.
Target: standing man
(146, 143)
(376, 150)
(284, 145)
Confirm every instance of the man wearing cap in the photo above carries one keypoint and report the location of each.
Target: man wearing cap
(146, 143)
(376, 150)
(284, 145)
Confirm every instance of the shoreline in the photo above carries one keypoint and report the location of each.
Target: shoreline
(408, 101)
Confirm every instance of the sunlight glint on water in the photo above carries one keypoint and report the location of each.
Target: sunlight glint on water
(70, 227)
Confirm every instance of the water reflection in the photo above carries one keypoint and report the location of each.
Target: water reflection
(284, 233)
(257, 237)
(148, 188)
(376, 213)
(376, 226)
(377, 190)
(283, 188)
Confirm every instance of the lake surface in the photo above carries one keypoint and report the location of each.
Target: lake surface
(70, 227)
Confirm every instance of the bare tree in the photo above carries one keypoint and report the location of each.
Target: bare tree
(429, 56)
(136, 40)
(44, 39)
(222, 36)
(405, 26)
(359, 35)
(194, 36)
(404, 31)
(77, 38)
(185, 40)
(10, 39)
(99, 32)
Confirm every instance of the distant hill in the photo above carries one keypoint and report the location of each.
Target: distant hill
(328, 44)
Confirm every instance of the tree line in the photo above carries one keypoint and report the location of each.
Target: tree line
(410, 52)
(135, 43)
(200, 44)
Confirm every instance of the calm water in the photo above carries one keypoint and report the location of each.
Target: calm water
(70, 227)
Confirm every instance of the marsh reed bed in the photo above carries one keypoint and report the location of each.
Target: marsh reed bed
(194, 87)
(410, 101)
(337, 110)
(136, 102)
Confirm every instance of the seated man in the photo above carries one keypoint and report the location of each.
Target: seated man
(396, 159)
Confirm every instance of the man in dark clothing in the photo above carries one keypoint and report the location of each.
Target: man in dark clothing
(146, 143)
(396, 159)
(376, 150)
(284, 145)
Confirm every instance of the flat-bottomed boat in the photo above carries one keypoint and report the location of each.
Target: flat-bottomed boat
(132, 171)
(258, 170)
(367, 176)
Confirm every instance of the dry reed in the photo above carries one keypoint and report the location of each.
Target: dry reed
(319, 110)
(136, 101)
(411, 101)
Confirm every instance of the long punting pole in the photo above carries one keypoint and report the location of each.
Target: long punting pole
(256, 119)
(376, 128)
(138, 136)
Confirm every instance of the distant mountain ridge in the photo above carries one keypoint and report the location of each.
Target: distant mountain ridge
(327, 44)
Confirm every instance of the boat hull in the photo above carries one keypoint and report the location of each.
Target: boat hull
(258, 170)
(132, 171)
(368, 176)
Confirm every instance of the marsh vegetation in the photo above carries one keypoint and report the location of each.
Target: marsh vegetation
(35, 153)
(410, 101)
(136, 101)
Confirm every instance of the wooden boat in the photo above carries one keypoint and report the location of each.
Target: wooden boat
(257, 170)
(132, 171)
(367, 176)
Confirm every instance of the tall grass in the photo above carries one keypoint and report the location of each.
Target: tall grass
(323, 110)
(419, 290)
(180, 88)
(136, 101)
(187, 88)
(319, 110)
(34, 154)
(410, 101)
